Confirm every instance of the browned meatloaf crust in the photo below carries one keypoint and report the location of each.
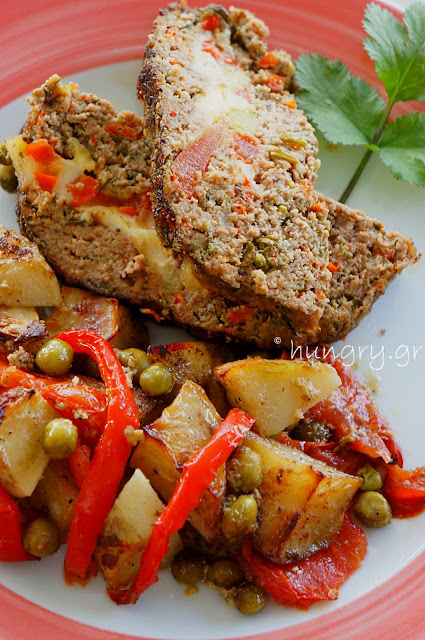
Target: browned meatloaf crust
(234, 162)
(87, 252)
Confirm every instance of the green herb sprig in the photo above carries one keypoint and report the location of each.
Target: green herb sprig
(349, 111)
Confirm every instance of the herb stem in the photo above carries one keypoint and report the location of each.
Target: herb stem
(368, 154)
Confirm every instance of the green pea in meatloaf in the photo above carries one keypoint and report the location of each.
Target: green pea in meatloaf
(103, 246)
(234, 162)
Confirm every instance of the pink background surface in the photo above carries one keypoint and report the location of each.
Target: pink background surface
(46, 36)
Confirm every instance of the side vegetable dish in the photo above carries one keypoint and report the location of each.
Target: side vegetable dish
(251, 472)
(142, 458)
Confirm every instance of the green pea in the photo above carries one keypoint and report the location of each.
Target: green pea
(8, 179)
(225, 574)
(250, 599)
(244, 471)
(156, 379)
(372, 480)
(60, 438)
(311, 431)
(55, 357)
(4, 156)
(188, 567)
(260, 261)
(240, 517)
(41, 538)
(372, 509)
(136, 359)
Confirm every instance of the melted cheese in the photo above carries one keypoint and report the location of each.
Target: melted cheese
(140, 229)
(143, 236)
(225, 90)
(67, 170)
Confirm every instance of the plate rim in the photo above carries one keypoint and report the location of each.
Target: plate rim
(401, 594)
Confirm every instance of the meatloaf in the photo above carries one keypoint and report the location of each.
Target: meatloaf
(234, 162)
(109, 245)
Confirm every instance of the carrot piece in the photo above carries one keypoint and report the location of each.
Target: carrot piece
(122, 130)
(218, 54)
(319, 207)
(237, 316)
(268, 61)
(211, 23)
(275, 83)
(152, 313)
(45, 181)
(333, 268)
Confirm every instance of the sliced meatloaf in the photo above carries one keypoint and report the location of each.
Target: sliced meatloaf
(234, 162)
(365, 258)
(108, 243)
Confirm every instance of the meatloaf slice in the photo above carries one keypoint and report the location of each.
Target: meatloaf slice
(102, 246)
(366, 258)
(234, 162)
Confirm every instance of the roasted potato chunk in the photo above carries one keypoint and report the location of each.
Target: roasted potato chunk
(24, 414)
(56, 495)
(20, 327)
(276, 392)
(26, 280)
(81, 309)
(182, 429)
(302, 503)
(127, 530)
(195, 361)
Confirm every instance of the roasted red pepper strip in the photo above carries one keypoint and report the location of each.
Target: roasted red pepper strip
(353, 413)
(70, 400)
(11, 549)
(405, 491)
(345, 460)
(41, 151)
(100, 485)
(128, 211)
(316, 578)
(83, 190)
(85, 406)
(351, 410)
(46, 181)
(79, 463)
(198, 473)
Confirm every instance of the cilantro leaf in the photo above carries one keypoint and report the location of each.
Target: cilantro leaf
(398, 50)
(402, 147)
(346, 109)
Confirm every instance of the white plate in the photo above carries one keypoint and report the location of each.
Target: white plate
(164, 611)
